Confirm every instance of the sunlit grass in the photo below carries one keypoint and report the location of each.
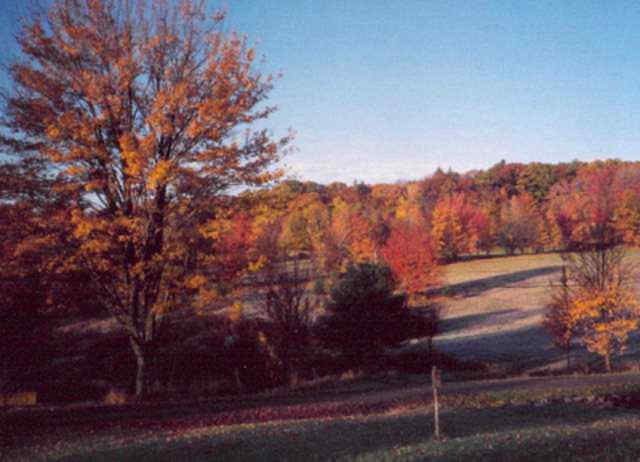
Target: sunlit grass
(525, 432)
(519, 423)
(493, 310)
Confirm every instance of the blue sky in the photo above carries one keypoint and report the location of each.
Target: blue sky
(380, 91)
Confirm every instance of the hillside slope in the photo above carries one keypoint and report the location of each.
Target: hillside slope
(493, 310)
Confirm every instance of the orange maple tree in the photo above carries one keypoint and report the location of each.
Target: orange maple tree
(410, 254)
(605, 319)
(453, 225)
(145, 113)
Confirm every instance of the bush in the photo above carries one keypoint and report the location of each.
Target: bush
(364, 315)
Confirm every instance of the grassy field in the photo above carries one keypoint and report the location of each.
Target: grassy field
(492, 311)
(537, 419)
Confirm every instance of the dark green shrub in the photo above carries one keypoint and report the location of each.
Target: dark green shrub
(364, 315)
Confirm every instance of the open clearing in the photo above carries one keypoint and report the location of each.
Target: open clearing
(562, 418)
(492, 311)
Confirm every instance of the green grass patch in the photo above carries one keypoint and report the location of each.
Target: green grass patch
(513, 422)
(525, 432)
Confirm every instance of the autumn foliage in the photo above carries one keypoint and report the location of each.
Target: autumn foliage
(136, 182)
(455, 226)
(605, 318)
(137, 108)
(410, 254)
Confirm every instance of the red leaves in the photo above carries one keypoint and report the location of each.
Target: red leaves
(410, 254)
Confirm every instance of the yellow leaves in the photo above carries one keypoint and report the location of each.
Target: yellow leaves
(159, 175)
(258, 264)
(93, 185)
(34, 244)
(83, 225)
(132, 159)
(206, 296)
(236, 310)
(606, 318)
(214, 229)
(95, 246)
(265, 216)
(161, 308)
(196, 281)
(268, 176)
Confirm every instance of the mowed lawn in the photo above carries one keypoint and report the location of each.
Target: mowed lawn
(511, 421)
(493, 310)
(516, 433)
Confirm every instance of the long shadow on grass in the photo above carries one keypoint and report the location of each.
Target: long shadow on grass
(478, 286)
(526, 347)
(462, 322)
(379, 436)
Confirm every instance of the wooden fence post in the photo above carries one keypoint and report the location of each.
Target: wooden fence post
(436, 383)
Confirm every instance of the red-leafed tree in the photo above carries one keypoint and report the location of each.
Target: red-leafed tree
(585, 210)
(410, 254)
(145, 112)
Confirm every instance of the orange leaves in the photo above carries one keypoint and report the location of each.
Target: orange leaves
(410, 254)
(605, 319)
(160, 174)
(453, 226)
(352, 231)
(196, 281)
(146, 110)
(133, 160)
(589, 211)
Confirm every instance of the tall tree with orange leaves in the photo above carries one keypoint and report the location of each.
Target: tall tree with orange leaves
(453, 226)
(411, 255)
(144, 111)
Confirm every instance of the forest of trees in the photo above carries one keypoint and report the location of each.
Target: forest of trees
(121, 147)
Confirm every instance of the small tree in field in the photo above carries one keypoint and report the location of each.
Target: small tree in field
(144, 110)
(287, 304)
(558, 320)
(605, 318)
(364, 314)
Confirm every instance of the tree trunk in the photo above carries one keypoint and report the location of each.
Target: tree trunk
(141, 378)
(236, 375)
(607, 362)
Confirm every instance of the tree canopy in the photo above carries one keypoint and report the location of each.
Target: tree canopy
(143, 112)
